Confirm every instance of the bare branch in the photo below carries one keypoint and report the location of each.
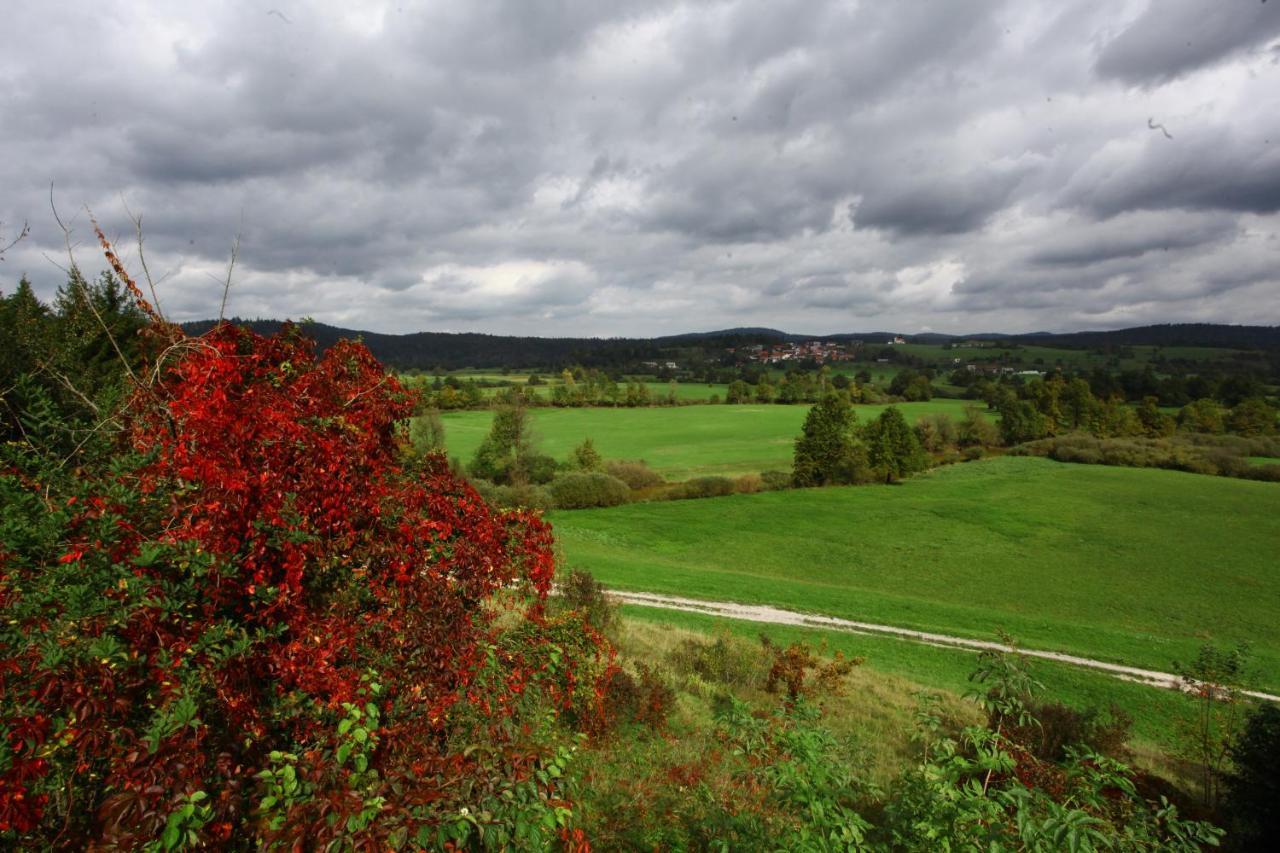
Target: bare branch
(22, 233)
(226, 287)
(142, 257)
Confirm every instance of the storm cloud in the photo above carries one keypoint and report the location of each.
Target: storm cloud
(620, 167)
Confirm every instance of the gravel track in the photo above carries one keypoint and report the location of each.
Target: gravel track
(778, 616)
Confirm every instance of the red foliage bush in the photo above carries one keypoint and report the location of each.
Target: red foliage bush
(258, 624)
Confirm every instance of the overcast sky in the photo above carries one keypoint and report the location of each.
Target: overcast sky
(609, 167)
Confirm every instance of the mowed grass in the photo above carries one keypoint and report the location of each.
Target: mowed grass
(677, 441)
(1130, 565)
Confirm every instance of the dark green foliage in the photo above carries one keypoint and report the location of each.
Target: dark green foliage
(1204, 415)
(72, 361)
(911, 386)
(582, 489)
(1021, 421)
(1252, 802)
(893, 450)
(1252, 417)
(827, 451)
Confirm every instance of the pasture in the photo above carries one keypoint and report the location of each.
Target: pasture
(677, 441)
(1136, 566)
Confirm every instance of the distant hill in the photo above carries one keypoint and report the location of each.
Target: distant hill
(451, 351)
(1166, 335)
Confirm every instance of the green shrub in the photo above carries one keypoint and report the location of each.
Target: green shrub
(582, 489)
(514, 497)
(704, 487)
(726, 659)
(1265, 473)
(748, 484)
(636, 474)
(772, 481)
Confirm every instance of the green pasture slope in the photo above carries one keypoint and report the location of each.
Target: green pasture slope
(1130, 565)
(677, 441)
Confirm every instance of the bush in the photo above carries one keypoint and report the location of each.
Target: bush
(973, 453)
(773, 481)
(583, 489)
(636, 474)
(646, 699)
(790, 665)
(1265, 473)
(704, 487)
(1252, 803)
(1058, 726)
(581, 592)
(264, 616)
(936, 432)
(748, 484)
(515, 497)
(725, 660)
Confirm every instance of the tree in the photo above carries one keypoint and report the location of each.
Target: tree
(1252, 417)
(1154, 423)
(975, 430)
(1021, 421)
(1203, 415)
(827, 450)
(426, 433)
(585, 457)
(1252, 801)
(892, 448)
(503, 455)
(738, 392)
(764, 391)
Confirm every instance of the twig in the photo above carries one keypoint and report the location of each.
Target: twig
(226, 287)
(25, 230)
(142, 258)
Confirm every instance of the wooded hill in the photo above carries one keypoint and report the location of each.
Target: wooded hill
(450, 351)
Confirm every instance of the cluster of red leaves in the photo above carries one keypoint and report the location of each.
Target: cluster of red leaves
(272, 486)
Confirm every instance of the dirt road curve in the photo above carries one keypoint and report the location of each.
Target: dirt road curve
(776, 616)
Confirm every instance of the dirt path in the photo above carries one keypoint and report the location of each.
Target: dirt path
(777, 616)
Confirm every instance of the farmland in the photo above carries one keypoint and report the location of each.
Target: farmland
(1135, 566)
(678, 442)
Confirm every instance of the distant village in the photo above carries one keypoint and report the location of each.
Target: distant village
(823, 352)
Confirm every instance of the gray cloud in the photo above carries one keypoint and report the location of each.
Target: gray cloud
(625, 167)
(1173, 37)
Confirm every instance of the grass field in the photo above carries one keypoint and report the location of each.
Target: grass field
(1132, 565)
(678, 442)
(1155, 712)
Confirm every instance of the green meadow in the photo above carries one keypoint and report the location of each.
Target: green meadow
(677, 441)
(1136, 566)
